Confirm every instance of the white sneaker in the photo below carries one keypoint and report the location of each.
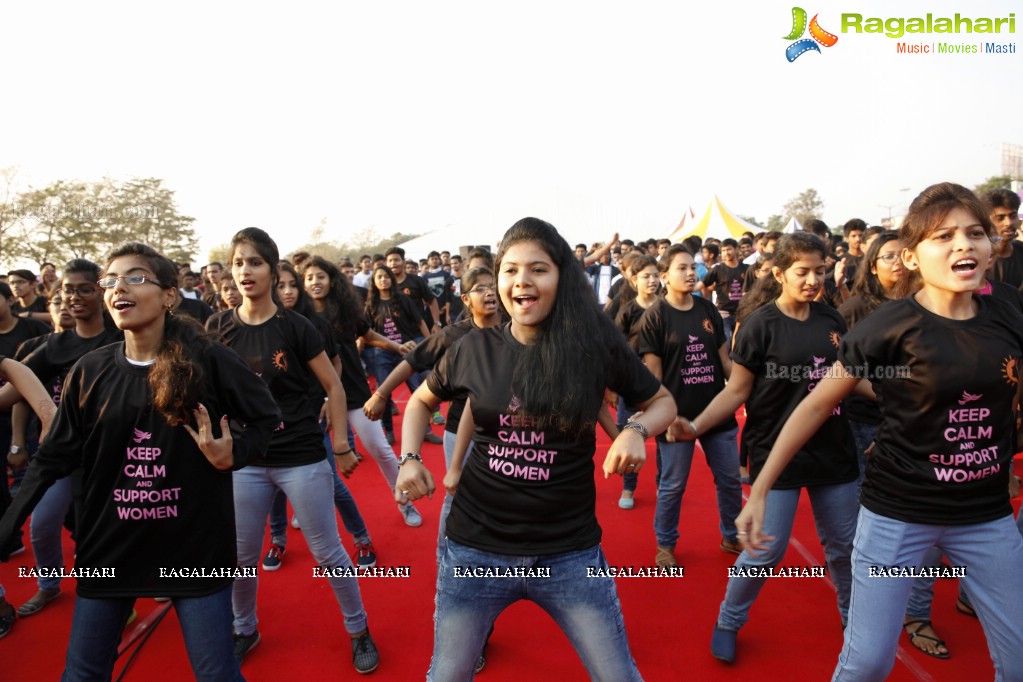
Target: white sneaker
(294, 522)
(626, 501)
(412, 517)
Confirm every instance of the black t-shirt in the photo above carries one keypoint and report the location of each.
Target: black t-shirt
(787, 358)
(727, 283)
(55, 357)
(858, 408)
(437, 281)
(688, 342)
(1010, 268)
(397, 319)
(279, 351)
(39, 305)
(427, 354)
(416, 289)
(627, 319)
(944, 448)
(24, 329)
(200, 310)
(1007, 293)
(353, 374)
(149, 498)
(525, 490)
(852, 264)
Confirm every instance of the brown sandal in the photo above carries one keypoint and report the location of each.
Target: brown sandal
(916, 634)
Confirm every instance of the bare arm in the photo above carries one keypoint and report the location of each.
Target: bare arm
(374, 407)
(726, 360)
(414, 479)
(599, 253)
(628, 451)
(23, 382)
(338, 409)
(466, 426)
(723, 406)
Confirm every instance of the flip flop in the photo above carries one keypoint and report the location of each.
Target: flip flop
(965, 609)
(915, 634)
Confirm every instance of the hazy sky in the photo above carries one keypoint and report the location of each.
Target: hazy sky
(462, 117)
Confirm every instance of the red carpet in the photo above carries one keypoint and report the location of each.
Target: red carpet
(794, 632)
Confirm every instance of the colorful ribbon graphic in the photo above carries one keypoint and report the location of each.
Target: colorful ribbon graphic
(818, 35)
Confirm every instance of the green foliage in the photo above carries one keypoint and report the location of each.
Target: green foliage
(776, 223)
(804, 208)
(752, 221)
(994, 182)
(75, 219)
(366, 241)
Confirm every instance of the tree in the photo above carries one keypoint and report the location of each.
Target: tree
(992, 183)
(751, 220)
(804, 208)
(776, 223)
(75, 219)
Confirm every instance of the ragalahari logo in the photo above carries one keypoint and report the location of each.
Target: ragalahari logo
(817, 35)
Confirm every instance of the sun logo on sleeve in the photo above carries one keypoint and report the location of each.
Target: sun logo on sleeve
(280, 360)
(835, 339)
(707, 326)
(1010, 370)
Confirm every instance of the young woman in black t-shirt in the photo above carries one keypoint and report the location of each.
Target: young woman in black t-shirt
(150, 410)
(781, 350)
(526, 495)
(944, 364)
(644, 282)
(293, 297)
(285, 349)
(393, 315)
(334, 299)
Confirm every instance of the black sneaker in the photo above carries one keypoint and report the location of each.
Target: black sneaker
(433, 438)
(274, 558)
(365, 557)
(7, 617)
(243, 644)
(365, 656)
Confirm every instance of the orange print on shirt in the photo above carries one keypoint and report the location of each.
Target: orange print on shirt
(835, 339)
(280, 360)
(707, 326)
(1010, 370)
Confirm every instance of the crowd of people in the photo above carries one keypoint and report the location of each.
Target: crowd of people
(877, 369)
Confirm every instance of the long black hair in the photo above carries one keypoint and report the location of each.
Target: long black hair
(302, 306)
(176, 378)
(560, 378)
(867, 286)
(264, 244)
(786, 252)
(342, 303)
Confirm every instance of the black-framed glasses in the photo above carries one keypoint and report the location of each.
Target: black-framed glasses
(130, 280)
(888, 257)
(83, 290)
(482, 289)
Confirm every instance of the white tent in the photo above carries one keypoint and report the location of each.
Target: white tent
(793, 226)
(718, 222)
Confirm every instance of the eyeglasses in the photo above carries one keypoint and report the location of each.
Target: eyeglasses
(482, 289)
(131, 280)
(888, 257)
(85, 290)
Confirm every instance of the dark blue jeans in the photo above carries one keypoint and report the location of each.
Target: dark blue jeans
(205, 624)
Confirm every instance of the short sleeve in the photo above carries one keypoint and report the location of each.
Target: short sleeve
(308, 341)
(750, 342)
(650, 334)
(628, 376)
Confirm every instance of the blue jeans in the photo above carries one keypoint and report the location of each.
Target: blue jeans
(205, 624)
(992, 553)
(308, 487)
(863, 436)
(722, 454)
(46, 530)
(586, 609)
(383, 364)
(676, 459)
(445, 509)
(729, 325)
(834, 512)
(343, 500)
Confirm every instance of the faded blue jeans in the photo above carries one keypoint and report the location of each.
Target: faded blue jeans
(585, 608)
(992, 553)
(834, 511)
(308, 487)
(722, 454)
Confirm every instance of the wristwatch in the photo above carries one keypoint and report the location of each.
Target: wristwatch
(409, 455)
(15, 449)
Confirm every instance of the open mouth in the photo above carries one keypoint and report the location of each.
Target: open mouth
(120, 305)
(525, 301)
(964, 266)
